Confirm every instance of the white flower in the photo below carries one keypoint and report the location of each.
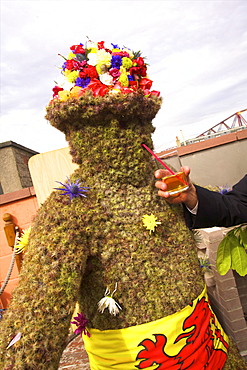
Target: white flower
(92, 59)
(109, 302)
(64, 83)
(106, 79)
(14, 340)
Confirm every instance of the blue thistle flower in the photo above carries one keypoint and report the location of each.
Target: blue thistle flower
(74, 190)
(116, 61)
(115, 46)
(82, 82)
(224, 189)
(205, 263)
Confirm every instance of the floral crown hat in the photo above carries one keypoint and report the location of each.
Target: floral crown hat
(110, 75)
(102, 70)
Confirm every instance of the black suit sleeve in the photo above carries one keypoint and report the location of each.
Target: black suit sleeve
(215, 209)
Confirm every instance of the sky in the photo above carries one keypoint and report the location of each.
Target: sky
(196, 51)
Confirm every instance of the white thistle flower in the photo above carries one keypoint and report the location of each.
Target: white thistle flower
(109, 302)
(14, 340)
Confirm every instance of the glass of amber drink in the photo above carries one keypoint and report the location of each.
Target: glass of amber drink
(175, 180)
(175, 183)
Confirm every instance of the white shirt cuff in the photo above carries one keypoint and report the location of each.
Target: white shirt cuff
(193, 210)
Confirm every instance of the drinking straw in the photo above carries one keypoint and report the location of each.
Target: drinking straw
(163, 164)
(158, 159)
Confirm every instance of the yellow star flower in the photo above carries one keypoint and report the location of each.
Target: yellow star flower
(150, 222)
(22, 241)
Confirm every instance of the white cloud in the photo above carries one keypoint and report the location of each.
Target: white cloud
(29, 128)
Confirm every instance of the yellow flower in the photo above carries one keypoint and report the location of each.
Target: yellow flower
(64, 95)
(126, 62)
(123, 70)
(116, 50)
(123, 79)
(150, 222)
(71, 55)
(101, 68)
(22, 241)
(103, 57)
(93, 50)
(76, 91)
(72, 76)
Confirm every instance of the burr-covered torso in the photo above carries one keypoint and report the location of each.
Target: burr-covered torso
(157, 272)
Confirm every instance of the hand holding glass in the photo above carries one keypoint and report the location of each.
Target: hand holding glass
(175, 181)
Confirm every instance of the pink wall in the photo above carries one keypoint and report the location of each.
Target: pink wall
(22, 205)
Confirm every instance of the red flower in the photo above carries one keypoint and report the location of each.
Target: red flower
(83, 74)
(155, 93)
(78, 49)
(91, 71)
(133, 84)
(74, 65)
(88, 71)
(139, 61)
(141, 71)
(145, 83)
(126, 90)
(98, 88)
(71, 64)
(101, 45)
(56, 90)
(121, 53)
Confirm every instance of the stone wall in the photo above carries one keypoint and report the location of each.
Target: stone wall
(227, 293)
(215, 162)
(14, 173)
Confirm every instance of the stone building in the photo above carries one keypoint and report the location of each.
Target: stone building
(14, 172)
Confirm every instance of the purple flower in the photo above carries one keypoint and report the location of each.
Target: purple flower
(81, 323)
(64, 66)
(224, 189)
(115, 46)
(116, 61)
(82, 82)
(73, 189)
